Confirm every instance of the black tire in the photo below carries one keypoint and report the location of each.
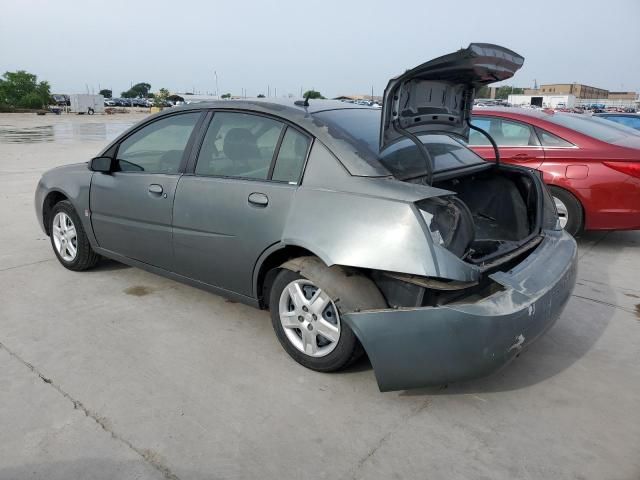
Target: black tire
(575, 213)
(85, 258)
(347, 350)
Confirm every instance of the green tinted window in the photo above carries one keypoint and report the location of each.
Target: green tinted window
(291, 156)
(239, 145)
(158, 147)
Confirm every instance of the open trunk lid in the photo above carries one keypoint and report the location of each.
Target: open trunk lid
(437, 96)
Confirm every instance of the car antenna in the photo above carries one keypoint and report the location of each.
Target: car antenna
(305, 102)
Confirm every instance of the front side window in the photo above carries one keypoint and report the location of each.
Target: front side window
(157, 147)
(506, 133)
(239, 145)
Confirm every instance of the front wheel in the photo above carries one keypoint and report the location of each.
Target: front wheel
(569, 210)
(69, 240)
(308, 325)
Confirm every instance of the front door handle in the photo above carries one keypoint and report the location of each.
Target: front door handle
(258, 199)
(522, 157)
(155, 188)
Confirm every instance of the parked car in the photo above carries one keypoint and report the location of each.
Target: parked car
(355, 226)
(631, 120)
(591, 165)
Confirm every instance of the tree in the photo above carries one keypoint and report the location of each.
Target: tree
(160, 98)
(312, 94)
(261, 95)
(504, 92)
(139, 90)
(483, 92)
(106, 93)
(21, 89)
(226, 95)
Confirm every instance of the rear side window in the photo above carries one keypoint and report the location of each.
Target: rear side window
(506, 133)
(550, 140)
(239, 145)
(291, 155)
(157, 147)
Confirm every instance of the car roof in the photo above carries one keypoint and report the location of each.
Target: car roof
(280, 107)
(617, 114)
(524, 112)
(346, 150)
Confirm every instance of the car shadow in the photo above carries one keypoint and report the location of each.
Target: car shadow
(579, 327)
(107, 265)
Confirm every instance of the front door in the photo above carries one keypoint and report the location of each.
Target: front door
(131, 207)
(235, 203)
(517, 141)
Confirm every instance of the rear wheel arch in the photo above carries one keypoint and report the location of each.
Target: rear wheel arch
(267, 268)
(574, 204)
(54, 197)
(349, 288)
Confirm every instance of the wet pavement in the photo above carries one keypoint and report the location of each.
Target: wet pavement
(119, 373)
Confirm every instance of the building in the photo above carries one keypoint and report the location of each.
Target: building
(374, 98)
(546, 101)
(578, 90)
(623, 96)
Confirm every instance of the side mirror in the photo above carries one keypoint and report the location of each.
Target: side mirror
(100, 164)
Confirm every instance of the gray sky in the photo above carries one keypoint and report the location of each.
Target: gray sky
(337, 47)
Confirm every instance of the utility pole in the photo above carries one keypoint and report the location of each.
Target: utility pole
(217, 92)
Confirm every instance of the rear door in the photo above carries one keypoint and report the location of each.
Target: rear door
(235, 201)
(131, 207)
(517, 141)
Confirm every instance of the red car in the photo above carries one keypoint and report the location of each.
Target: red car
(591, 165)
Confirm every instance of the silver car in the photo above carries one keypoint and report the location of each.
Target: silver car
(362, 230)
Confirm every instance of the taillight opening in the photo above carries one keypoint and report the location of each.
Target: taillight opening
(628, 168)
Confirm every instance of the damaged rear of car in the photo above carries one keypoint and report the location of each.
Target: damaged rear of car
(470, 260)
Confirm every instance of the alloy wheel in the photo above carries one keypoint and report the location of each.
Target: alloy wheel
(309, 318)
(563, 212)
(65, 237)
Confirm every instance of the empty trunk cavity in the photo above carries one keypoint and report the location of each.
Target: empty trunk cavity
(493, 213)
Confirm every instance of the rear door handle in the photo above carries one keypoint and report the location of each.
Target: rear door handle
(155, 188)
(522, 157)
(258, 199)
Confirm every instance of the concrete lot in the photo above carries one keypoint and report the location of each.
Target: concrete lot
(117, 373)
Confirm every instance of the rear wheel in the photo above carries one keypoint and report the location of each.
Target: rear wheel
(569, 210)
(308, 325)
(69, 240)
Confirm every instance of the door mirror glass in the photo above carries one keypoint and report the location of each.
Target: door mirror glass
(100, 164)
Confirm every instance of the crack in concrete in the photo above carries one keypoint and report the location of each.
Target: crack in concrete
(602, 302)
(593, 245)
(380, 443)
(27, 264)
(147, 455)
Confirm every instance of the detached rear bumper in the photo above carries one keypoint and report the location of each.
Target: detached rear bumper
(416, 347)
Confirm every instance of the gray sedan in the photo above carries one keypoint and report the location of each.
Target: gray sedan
(362, 230)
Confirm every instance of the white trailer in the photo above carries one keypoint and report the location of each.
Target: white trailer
(86, 103)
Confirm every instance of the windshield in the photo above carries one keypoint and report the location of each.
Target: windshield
(362, 128)
(598, 128)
